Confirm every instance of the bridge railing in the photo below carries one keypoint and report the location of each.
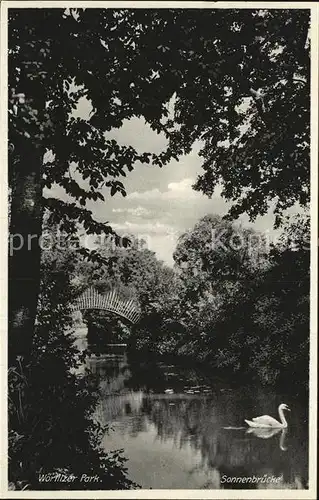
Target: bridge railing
(111, 302)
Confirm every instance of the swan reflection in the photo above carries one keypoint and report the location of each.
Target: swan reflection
(268, 433)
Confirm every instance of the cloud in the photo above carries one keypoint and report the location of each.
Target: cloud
(175, 190)
(145, 228)
(177, 205)
(182, 186)
(158, 237)
(137, 212)
(159, 217)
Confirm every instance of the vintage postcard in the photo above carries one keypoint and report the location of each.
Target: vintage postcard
(159, 170)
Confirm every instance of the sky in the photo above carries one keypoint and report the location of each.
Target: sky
(160, 204)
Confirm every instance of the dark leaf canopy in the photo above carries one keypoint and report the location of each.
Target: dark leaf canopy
(239, 80)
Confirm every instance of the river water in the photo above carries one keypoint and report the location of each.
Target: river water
(179, 430)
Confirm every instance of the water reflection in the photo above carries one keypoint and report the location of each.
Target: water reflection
(268, 433)
(193, 435)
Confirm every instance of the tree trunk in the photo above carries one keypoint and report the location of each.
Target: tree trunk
(24, 250)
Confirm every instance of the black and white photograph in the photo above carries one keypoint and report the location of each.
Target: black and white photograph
(159, 199)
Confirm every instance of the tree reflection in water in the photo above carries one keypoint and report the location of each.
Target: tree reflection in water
(196, 422)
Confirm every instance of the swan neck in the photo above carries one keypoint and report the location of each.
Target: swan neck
(282, 417)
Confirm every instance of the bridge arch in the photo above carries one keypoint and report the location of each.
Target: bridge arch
(112, 301)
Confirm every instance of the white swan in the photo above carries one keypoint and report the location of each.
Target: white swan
(266, 422)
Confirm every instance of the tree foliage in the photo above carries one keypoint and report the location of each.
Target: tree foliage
(136, 274)
(241, 87)
(51, 429)
(238, 309)
(238, 81)
(93, 66)
(241, 79)
(231, 302)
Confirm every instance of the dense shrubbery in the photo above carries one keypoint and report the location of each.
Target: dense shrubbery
(50, 408)
(243, 313)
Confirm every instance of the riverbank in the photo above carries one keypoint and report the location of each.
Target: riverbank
(221, 377)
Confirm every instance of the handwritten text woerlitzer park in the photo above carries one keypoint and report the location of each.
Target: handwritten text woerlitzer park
(59, 477)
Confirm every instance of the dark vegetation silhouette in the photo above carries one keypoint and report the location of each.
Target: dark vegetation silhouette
(250, 73)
